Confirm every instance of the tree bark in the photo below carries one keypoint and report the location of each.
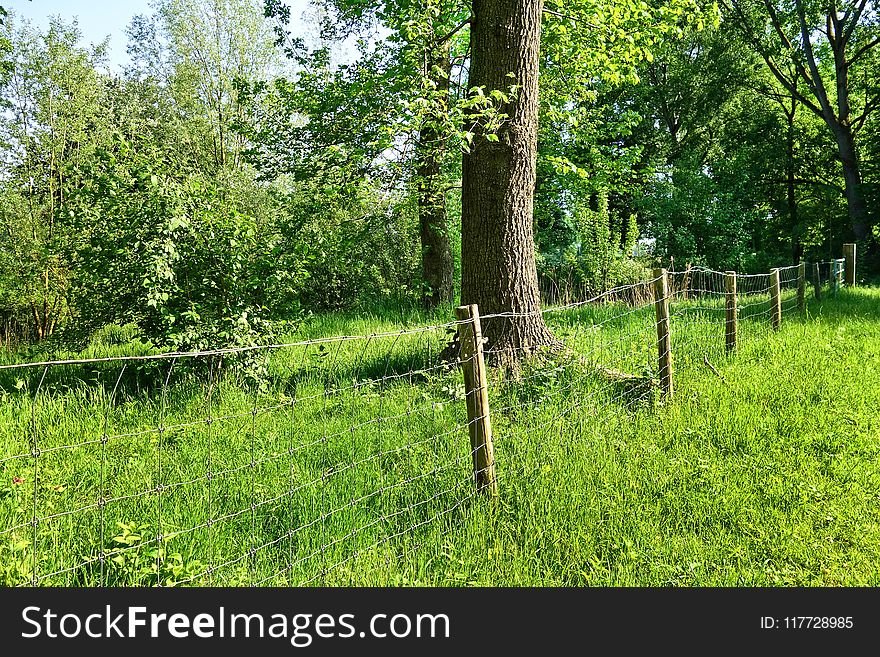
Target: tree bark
(797, 246)
(843, 133)
(852, 177)
(498, 183)
(433, 221)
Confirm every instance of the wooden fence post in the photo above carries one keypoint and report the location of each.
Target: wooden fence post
(731, 319)
(686, 282)
(817, 282)
(664, 341)
(802, 287)
(476, 387)
(775, 300)
(849, 256)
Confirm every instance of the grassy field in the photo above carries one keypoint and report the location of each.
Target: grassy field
(353, 466)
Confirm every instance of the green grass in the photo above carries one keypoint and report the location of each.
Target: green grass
(353, 465)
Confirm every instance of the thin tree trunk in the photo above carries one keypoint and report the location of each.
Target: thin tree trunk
(38, 326)
(498, 182)
(433, 222)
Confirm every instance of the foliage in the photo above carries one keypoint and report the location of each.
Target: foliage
(128, 201)
(363, 248)
(5, 48)
(592, 152)
(135, 560)
(190, 260)
(696, 221)
(816, 52)
(200, 50)
(223, 185)
(721, 168)
(594, 253)
(52, 120)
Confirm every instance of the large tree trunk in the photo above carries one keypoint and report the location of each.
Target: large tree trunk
(852, 177)
(797, 245)
(843, 134)
(433, 221)
(498, 182)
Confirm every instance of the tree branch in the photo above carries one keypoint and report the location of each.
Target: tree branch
(833, 25)
(802, 181)
(820, 92)
(777, 25)
(553, 12)
(786, 43)
(789, 84)
(870, 106)
(853, 21)
(861, 52)
(446, 37)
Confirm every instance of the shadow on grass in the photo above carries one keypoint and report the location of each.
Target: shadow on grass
(393, 362)
(134, 379)
(862, 303)
(176, 382)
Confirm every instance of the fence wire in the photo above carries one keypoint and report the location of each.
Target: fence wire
(179, 469)
(342, 459)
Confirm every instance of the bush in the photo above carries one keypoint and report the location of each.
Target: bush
(363, 250)
(194, 263)
(596, 257)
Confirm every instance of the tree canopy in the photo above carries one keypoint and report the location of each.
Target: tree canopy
(236, 176)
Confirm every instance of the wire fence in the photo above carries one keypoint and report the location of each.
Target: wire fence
(347, 462)
(699, 307)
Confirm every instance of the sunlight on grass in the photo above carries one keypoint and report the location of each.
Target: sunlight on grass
(353, 465)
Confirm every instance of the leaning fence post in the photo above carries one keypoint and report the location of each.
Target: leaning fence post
(686, 283)
(775, 300)
(664, 342)
(802, 287)
(476, 387)
(849, 256)
(817, 282)
(731, 320)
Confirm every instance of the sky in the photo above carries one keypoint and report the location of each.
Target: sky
(99, 19)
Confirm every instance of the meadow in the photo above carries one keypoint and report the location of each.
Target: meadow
(350, 464)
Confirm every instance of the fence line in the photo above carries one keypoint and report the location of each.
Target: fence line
(351, 454)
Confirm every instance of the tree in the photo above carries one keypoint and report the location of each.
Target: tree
(723, 169)
(175, 235)
(197, 50)
(50, 126)
(5, 47)
(813, 50)
(498, 180)
(396, 112)
(698, 109)
(499, 172)
(431, 153)
(123, 199)
(397, 97)
(192, 260)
